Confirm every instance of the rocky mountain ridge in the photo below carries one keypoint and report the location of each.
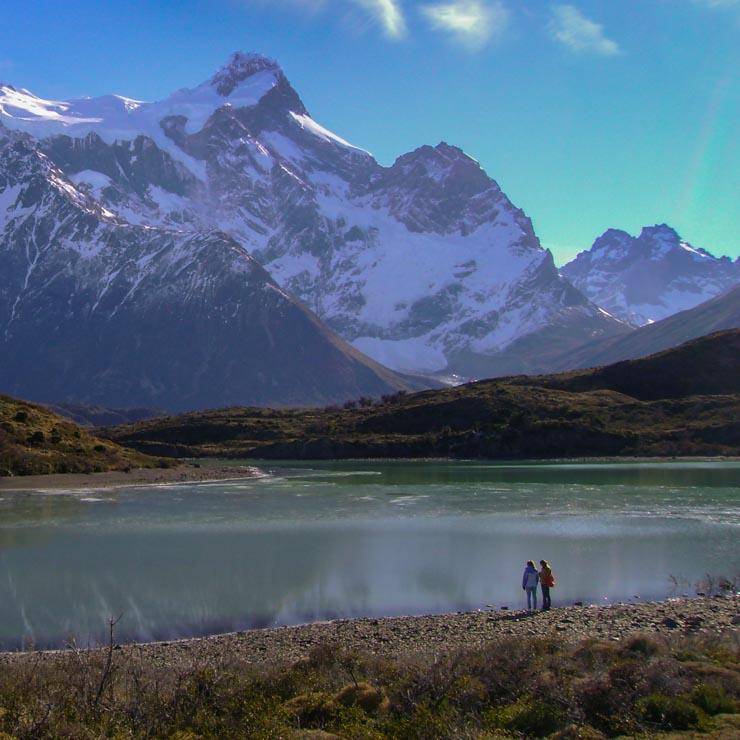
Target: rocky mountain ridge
(425, 265)
(97, 309)
(649, 277)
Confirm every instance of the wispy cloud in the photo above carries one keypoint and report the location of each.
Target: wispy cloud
(572, 29)
(388, 14)
(470, 22)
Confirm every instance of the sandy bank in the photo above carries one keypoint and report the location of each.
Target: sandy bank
(119, 479)
(403, 636)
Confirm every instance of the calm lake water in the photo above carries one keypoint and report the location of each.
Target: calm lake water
(310, 541)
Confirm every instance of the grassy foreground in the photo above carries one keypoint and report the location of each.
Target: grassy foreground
(36, 441)
(516, 687)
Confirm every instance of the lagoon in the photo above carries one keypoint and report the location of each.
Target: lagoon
(304, 541)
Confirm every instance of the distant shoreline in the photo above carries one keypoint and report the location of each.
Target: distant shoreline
(119, 479)
(211, 473)
(481, 460)
(442, 633)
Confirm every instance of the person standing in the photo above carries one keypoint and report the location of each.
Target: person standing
(547, 581)
(529, 584)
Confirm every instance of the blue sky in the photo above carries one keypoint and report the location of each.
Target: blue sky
(590, 114)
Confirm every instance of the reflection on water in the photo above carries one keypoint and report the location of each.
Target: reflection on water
(309, 542)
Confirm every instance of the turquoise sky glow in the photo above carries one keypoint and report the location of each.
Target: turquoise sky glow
(590, 115)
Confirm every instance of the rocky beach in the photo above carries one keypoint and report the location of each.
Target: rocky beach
(409, 636)
(185, 473)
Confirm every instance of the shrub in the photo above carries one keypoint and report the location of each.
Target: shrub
(643, 645)
(532, 717)
(425, 721)
(603, 704)
(363, 695)
(713, 699)
(311, 709)
(37, 438)
(670, 712)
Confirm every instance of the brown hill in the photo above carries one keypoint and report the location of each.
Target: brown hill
(684, 401)
(705, 366)
(35, 441)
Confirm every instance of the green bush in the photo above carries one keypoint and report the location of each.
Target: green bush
(713, 699)
(311, 709)
(37, 438)
(670, 712)
(362, 695)
(643, 645)
(426, 721)
(532, 717)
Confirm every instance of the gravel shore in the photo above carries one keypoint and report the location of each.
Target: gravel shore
(406, 636)
(119, 479)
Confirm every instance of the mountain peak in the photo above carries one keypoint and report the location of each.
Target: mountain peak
(660, 232)
(649, 277)
(439, 159)
(239, 67)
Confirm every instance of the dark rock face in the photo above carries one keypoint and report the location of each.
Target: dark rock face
(98, 310)
(649, 277)
(240, 67)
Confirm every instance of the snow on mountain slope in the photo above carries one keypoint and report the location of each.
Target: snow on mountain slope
(649, 277)
(241, 83)
(96, 309)
(425, 265)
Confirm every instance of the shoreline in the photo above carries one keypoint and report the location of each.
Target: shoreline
(707, 616)
(207, 472)
(483, 460)
(180, 474)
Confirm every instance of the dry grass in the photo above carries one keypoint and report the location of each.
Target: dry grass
(532, 688)
(35, 441)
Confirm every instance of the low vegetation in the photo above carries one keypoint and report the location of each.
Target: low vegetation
(684, 401)
(538, 687)
(35, 441)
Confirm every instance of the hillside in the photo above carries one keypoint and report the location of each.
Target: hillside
(87, 415)
(716, 314)
(705, 366)
(35, 441)
(682, 402)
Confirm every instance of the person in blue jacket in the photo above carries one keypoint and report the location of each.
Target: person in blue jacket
(530, 579)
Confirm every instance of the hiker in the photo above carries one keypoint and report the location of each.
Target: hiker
(529, 584)
(547, 581)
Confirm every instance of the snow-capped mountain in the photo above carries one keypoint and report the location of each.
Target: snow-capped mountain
(96, 309)
(425, 266)
(649, 277)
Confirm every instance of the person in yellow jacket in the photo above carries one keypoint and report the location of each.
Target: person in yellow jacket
(547, 581)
